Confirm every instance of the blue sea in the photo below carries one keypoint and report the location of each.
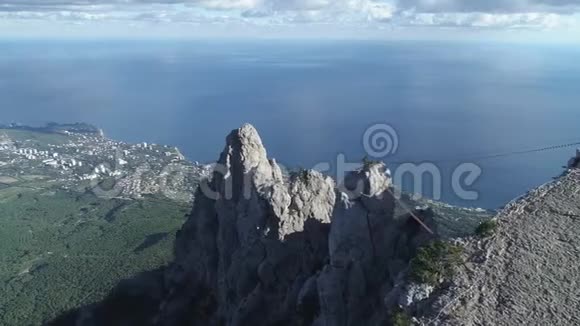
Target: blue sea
(449, 103)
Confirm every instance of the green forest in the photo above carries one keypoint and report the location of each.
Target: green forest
(60, 249)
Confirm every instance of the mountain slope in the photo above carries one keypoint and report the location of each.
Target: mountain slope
(529, 272)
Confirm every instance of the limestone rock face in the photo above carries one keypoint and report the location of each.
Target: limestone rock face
(415, 293)
(362, 239)
(260, 248)
(269, 251)
(251, 235)
(525, 273)
(371, 180)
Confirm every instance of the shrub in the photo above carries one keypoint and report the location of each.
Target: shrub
(368, 163)
(301, 174)
(486, 229)
(434, 262)
(400, 318)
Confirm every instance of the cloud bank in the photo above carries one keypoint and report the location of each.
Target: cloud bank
(380, 14)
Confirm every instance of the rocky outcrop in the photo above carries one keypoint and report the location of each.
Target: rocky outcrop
(261, 248)
(528, 272)
(270, 250)
(250, 234)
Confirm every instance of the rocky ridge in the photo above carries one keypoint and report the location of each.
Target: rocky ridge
(528, 272)
(268, 252)
(262, 249)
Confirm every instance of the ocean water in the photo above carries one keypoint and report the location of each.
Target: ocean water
(449, 103)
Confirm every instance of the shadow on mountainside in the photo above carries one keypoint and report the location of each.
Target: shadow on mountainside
(136, 301)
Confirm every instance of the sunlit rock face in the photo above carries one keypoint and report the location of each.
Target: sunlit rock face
(264, 248)
(267, 249)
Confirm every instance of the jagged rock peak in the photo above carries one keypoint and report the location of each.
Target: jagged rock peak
(312, 197)
(273, 251)
(244, 166)
(372, 179)
(246, 142)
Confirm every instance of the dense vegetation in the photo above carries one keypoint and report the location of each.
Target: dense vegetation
(60, 250)
(435, 262)
(401, 318)
(486, 229)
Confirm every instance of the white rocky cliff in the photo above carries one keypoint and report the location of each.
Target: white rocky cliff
(269, 250)
(261, 248)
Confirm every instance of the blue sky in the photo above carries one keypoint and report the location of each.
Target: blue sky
(514, 20)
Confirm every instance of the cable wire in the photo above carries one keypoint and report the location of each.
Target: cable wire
(492, 156)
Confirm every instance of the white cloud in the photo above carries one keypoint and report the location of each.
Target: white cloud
(323, 10)
(229, 4)
(487, 20)
(367, 14)
(490, 6)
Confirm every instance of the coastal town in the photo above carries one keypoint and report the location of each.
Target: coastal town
(86, 160)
